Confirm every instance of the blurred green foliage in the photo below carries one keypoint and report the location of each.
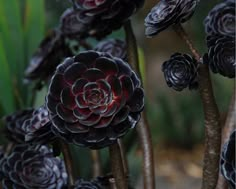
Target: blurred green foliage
(22, 25)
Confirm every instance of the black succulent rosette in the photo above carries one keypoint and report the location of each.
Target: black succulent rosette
(33, 167)
(115, 47)
(93, 99)
(52, 50)
(73, 25)
(38, 127)
(15, 130)
(106, 16)
(221, 19)
(180, 72)
(83, 184)
(228, 168)
(221, 55)
(167, 13)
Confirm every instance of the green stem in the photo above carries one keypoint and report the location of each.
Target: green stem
(143, 127)
(212, 118)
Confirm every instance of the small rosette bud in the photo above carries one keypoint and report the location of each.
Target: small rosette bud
(180, 72)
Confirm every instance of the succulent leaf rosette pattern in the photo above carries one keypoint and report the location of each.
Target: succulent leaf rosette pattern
(15, 129)
(50, 52)
(115, 47)
(180, 72)
(83, 184)
(38, 127)
(221, 55)
(93, 99)
(73, 26)
(102, 17)
(33, 167)
(228, 168)
(221, 19)
(167, 13)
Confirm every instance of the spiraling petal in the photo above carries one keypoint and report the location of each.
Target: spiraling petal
(56, 85)
(115, 86)
(127, 86)
(82, 113)
(106, 65)
(136, 102)
(79, 85)
(65, 114)
(93, 74)
(73, 72)
(67, 98)
(91, 120)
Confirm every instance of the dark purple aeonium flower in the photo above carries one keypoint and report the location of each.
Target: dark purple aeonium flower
(51, 51)
(221, 55)
(104, 16)
(29, 126)
(100, 182)
(228, 168)
(167, 13)
(73, 25)
(38, 127)
(221, 19)
(29, 167)
(15, 130)
(115, 47)
(93, 99)
(83, 184)
(180, 72)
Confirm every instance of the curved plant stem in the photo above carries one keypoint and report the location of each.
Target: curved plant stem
(228, 128)
(230, 120)
(112, 183)
(117, 167)
(143, 127)
(97, 170)
(68, 162)
(123, 156)
(212, 119)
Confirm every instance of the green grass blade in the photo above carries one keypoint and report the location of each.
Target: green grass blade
(12, 35)
(34, 25)
(6, 94)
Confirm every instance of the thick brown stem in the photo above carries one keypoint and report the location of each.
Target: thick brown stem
(212, 131)
(212, 118)
(68, 162)
(124, 158)
(97, 170)
(117, 167)
(228, 128)
(143, 127)
(230, 120)
(147, 150)
(181, 32)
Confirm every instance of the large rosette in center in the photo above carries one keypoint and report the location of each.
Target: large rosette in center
(94, 99)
